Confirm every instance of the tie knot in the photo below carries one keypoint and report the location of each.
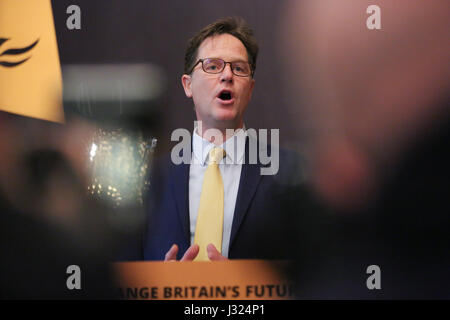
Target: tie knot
(215, 155)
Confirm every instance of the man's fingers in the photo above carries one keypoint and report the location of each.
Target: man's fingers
(191, 253)
(213, 253)
(171, 255)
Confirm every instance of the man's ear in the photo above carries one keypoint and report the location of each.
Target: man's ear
(252, 85)
(186, 82)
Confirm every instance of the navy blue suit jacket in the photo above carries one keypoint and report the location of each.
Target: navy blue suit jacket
(262, 216)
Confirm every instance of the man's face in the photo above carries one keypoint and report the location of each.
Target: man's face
(206, 88)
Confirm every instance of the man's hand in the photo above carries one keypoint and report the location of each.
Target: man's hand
(192, 252)
(213, 253)
(189, 255)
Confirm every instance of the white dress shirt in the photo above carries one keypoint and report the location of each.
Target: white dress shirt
(230, 169)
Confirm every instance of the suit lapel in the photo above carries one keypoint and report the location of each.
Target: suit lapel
(180, 188)
(250, 178)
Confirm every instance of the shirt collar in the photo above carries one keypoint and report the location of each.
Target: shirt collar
(234, 147)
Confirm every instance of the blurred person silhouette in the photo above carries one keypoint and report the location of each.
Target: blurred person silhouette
(372, 108)
(47, 221)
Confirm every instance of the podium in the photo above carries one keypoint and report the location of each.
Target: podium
(218, 280)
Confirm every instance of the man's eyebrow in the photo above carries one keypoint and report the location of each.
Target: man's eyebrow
(231, 60)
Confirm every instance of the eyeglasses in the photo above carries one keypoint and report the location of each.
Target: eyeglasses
(215, 65)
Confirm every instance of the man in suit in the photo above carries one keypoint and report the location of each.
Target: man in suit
(253, 208)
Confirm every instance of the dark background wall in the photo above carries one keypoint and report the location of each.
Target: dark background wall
(118, 31)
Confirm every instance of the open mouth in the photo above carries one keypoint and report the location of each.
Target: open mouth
(225, 95)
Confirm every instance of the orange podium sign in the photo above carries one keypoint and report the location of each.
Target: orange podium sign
(219, 280)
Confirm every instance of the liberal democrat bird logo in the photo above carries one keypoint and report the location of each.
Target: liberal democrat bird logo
(14, 52)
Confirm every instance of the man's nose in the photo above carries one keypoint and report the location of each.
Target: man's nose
(227, 74)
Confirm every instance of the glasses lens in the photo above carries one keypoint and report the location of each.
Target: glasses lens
(241, 68)
(213, 65)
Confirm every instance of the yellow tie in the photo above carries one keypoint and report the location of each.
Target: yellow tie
(209, 226)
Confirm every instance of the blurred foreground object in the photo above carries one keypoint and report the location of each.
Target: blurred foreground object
(47, 221)
(373, 110)
(121, 101)
(30, 74)
(366, 95)
(119, 163)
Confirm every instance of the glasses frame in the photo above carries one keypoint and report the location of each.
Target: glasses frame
(224, 66)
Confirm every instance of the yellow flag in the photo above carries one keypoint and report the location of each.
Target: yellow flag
(30, 73)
